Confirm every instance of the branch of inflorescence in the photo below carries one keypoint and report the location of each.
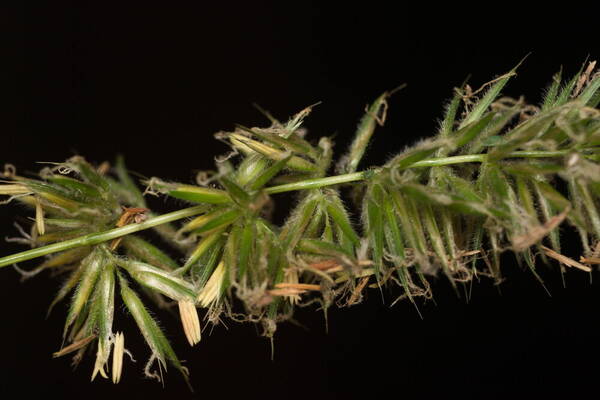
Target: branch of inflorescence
(100, 237)
(431, 162)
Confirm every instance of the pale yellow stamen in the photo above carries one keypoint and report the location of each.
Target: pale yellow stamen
(212, 289)
(39, 217)
(118, 350)
(100, 362)
(190, 321)
(14, 189)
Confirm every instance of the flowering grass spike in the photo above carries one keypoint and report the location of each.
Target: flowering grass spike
(499, 175)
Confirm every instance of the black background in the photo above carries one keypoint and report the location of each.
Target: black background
(155, 82)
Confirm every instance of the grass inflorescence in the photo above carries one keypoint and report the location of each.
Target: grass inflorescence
(499, 175)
